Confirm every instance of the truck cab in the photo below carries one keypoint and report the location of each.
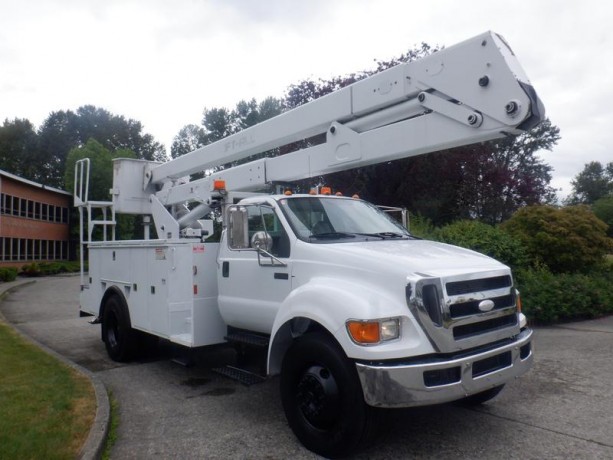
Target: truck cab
(294, 263)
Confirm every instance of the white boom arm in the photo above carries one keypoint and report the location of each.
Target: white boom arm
(471, 92)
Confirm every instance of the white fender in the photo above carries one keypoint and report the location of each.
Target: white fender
(330, 302)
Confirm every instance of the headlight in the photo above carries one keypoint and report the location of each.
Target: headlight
(375, 331)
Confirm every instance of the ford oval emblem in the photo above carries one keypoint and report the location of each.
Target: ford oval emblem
(486, 305)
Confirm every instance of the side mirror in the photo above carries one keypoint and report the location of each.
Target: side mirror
(238, 231)
(262, 241)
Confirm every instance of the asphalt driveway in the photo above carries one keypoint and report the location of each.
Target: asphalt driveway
(563, 408)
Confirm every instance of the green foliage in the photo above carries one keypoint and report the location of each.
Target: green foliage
(49, 268)
(421, 226)
(218, 123)
(565, 240)
(19, 153)
(603, 209)
(549, 297)
(8, 274)
(47, 408)
(485, 239)
(593, 183)
(40, 155)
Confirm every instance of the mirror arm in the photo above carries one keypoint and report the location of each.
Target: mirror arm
(268, 254)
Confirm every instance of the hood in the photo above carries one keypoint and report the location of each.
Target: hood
(426, 258)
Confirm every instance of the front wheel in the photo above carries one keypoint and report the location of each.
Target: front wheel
(322, 397)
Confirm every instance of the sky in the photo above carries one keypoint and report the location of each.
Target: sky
(161, 62)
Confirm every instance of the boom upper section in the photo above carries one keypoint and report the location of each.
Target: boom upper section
(471, 92)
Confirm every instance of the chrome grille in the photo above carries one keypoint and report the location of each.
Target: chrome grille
(483, 284)
(449, 311)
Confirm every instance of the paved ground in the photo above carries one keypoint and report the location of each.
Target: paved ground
(562, 409)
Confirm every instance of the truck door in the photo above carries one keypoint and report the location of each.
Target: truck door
(255, 269)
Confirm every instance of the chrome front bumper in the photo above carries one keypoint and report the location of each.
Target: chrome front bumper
(434, 381)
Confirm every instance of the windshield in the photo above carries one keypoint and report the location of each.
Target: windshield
(321, 219)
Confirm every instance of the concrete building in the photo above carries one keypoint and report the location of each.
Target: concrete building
(34, 222)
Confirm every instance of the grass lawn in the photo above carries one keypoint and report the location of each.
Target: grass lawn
(46, 407)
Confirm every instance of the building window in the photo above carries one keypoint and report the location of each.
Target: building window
(23, 207)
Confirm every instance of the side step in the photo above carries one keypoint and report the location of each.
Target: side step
(252, 350)
(248, 339)
(240, 375)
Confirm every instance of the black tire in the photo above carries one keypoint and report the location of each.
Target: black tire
(483, 397)
(117, 333)
(322, 398)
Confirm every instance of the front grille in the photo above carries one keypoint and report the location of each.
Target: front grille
(449, 310)
(469, 330)
(432, 304)
(484, 284)
(458, 310)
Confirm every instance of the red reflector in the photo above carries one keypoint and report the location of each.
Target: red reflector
(195, 289)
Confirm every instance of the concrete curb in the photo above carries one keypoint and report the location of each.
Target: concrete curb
(94, 444)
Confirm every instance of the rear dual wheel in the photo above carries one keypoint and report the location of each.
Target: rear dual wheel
(117, 333)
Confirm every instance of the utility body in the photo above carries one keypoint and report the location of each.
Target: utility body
(351, 310)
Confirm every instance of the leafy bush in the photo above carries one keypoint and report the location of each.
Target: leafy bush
(421, 226)
(49, 268)
(8, 274)
(485, 239)
(566, 240)
(548, 297)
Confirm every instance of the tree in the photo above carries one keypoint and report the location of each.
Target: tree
(218, 123)
(594, 182)
(64, 130)
(566, 240)
(504, 175)
(603, 209)
(189, 138)
(19, 152)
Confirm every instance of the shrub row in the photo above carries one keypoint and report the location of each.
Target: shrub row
(557, 259)
(8, 274)
(49, 268)
(548, 297)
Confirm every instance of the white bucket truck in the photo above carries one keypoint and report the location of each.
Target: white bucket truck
(352, 311)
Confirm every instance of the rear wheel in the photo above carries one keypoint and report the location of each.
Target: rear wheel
(119, 337)
(322, 397)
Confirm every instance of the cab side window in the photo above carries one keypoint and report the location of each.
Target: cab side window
(263, 218)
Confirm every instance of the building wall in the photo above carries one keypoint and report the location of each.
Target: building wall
(34, 223)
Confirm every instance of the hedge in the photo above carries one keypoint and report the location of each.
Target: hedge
(49, 268)
(548, 297)
(8, 274)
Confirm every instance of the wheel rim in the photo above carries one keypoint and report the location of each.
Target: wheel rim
(112, 331)
(318, 397)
